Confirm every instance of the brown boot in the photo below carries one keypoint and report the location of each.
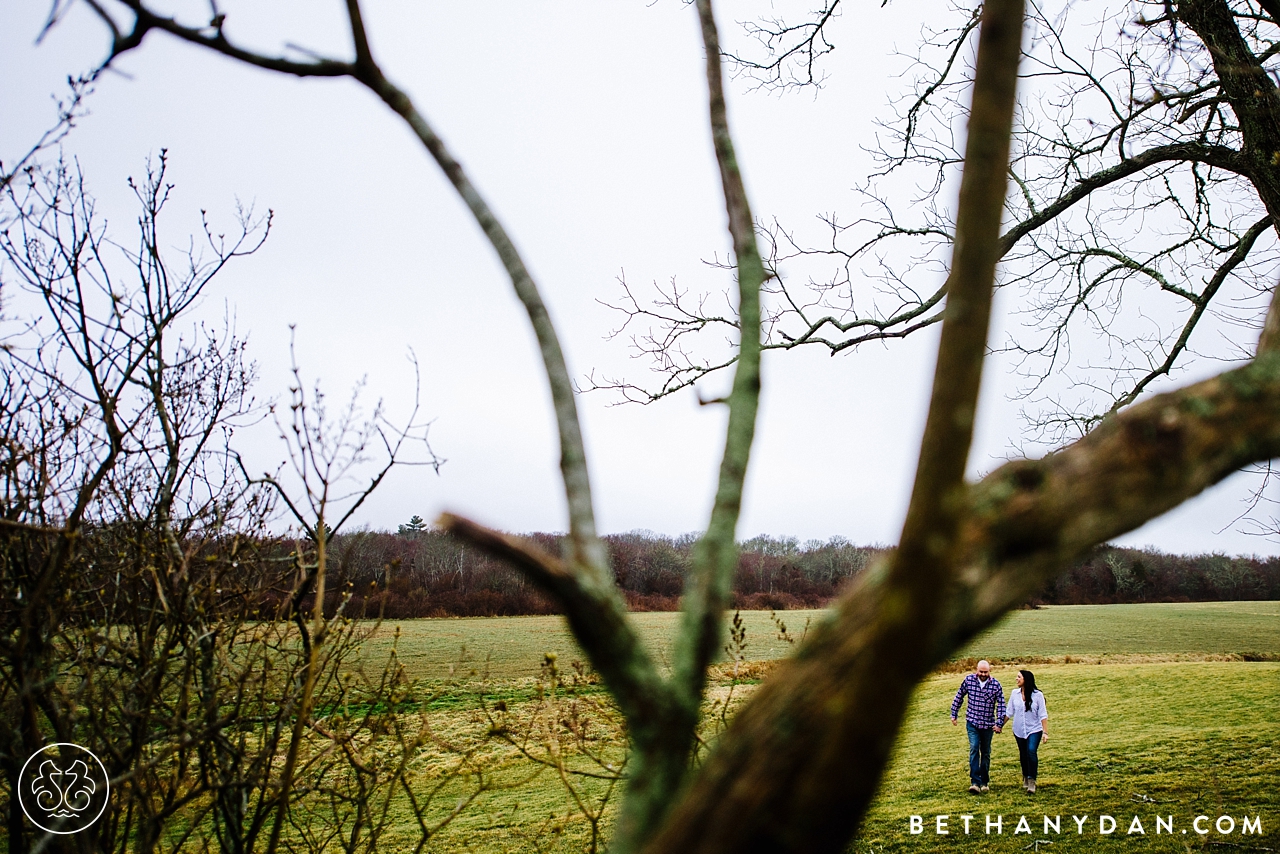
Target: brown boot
(1031, 785)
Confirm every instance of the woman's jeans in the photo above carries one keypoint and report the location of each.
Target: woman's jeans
(979, 755)
(1027, 748)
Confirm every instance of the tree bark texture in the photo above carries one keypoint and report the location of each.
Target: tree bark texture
(1255, 100)
(1248, 88)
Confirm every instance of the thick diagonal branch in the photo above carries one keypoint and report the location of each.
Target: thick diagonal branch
(588, 550)
(800, 764)
(1219, 156)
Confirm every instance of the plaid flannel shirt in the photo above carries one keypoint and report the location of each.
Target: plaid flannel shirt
(986, 702)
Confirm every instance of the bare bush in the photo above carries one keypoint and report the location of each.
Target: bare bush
(146, 611)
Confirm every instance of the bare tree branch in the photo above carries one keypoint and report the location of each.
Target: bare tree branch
(716, 555)
(70, 109)
(785, 810)
(792, 51)
(1127, 149)
(588, 551)
(1201, 302)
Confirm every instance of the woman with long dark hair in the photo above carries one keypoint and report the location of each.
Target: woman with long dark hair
(1030, 718)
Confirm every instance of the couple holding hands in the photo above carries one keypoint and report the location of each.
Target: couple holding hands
(987, 713)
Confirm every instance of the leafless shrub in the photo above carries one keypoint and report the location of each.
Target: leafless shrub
(146, 611)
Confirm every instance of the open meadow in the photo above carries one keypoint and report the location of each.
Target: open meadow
(1156, 712)
(512, 647)
(496, 739)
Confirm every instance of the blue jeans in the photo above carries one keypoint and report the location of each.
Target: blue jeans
(1027, 748)
(979, 754)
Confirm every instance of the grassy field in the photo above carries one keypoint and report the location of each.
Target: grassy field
(1178, 739)
(512, 647)
(1143, 722)
(1194, 628)
(1156, 711)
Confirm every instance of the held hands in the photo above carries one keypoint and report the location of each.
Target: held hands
(997, 729)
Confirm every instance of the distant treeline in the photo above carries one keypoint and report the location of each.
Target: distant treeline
(423, 573)
(1112, 575)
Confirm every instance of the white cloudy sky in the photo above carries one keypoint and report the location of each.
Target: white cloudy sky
(584, 123)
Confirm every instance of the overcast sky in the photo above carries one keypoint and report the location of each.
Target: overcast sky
(584, 124)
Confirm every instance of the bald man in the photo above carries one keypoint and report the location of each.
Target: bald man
(984, 715)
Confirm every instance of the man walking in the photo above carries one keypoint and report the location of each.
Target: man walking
(984, 715)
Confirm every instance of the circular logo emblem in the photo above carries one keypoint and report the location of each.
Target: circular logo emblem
(63, 788)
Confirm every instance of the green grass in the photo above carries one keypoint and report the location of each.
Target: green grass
(1180, 739)
(512, 647)
(1148, 724)
(1171, 738)
(1206, 628)
(1147, 727)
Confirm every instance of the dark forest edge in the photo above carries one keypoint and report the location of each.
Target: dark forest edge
(419, 572)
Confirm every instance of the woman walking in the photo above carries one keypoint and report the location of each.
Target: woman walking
(1030, 718)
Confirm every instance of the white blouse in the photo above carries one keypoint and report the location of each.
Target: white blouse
(1024, 722)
